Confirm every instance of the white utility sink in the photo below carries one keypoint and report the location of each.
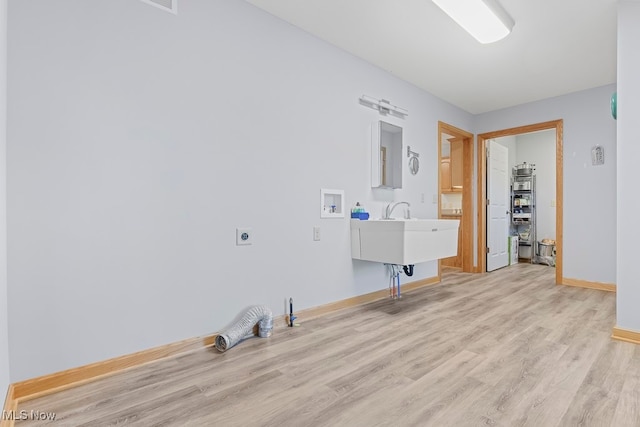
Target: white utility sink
(404, 241)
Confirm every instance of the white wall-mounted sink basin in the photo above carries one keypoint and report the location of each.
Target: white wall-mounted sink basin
(404, 241)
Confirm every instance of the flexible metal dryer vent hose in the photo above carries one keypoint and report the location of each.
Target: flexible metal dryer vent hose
(243, 328)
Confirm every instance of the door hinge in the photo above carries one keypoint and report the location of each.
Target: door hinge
(488, 152)
(487, 202)
(488, 251)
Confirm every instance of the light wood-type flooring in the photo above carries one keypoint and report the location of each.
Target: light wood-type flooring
(508, 348)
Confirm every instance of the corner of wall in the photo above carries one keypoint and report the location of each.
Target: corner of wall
(4, 321)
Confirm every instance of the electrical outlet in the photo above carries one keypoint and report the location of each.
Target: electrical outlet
(316, 233)
(244, 236)
(422, 198)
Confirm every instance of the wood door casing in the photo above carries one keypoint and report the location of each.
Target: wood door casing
(482, 196)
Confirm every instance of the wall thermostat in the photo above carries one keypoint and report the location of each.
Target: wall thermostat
(597, 155)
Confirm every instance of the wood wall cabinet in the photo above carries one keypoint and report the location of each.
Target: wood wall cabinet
(445, 174)
(456, 165)
(455, 261)
(451, 169)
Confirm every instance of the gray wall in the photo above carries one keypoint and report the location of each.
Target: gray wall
(589, 191)
(4, 328)
(139, 140)
(628, 290)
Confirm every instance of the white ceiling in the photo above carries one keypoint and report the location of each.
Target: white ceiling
(556, 47)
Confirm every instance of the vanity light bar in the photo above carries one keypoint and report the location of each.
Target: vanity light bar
(383, 106)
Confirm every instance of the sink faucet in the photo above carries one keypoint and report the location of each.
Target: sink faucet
(391, 206)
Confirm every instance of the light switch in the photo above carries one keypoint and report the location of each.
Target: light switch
(316, 233)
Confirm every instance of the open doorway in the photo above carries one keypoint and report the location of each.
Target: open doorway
(455, 193)
(482, 188)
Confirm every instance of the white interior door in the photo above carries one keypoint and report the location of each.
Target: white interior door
(497, 206)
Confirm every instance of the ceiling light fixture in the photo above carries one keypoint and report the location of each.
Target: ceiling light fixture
(485, 20)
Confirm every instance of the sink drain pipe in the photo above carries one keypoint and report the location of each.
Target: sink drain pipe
(243, 328)
(408, 269)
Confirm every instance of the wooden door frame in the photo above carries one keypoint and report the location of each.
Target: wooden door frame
(467, 192)
(482, 188)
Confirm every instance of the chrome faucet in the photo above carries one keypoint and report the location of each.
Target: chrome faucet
(391, 206)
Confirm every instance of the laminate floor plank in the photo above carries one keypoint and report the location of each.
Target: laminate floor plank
(591, 406)
(403, 408)
(507, 348)
(628, 407)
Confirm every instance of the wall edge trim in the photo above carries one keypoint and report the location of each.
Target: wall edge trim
(609, 287)
(626, 335)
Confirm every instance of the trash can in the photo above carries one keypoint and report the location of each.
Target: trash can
(546, 249)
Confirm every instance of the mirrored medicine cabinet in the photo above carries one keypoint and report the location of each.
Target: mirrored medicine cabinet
(386, 155)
